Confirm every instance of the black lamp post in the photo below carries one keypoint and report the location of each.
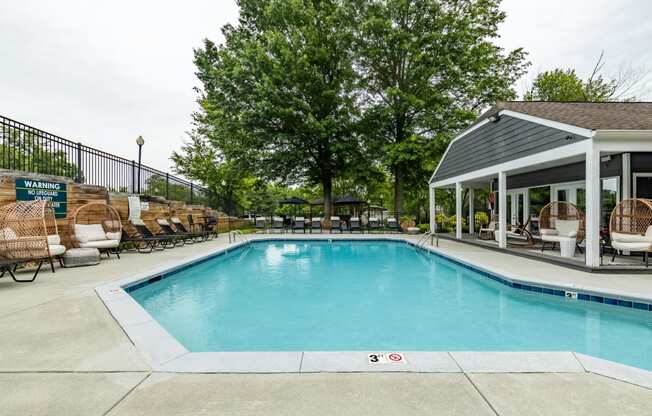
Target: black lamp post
(140, 142)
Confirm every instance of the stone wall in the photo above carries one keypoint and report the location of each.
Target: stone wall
(79, 194)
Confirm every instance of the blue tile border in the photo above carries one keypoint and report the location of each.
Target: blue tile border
(545, 290)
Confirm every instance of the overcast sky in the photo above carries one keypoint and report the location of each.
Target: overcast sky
(105, 72)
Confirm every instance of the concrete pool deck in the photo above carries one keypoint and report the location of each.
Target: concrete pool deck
(63, 353)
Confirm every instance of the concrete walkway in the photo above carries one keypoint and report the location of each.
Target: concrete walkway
(61, 353)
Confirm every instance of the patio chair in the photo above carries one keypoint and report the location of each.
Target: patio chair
(355, 225)
(393, 225)
(197, 227)
(630, 227)
(130, 242)
(336, 224)
(299, 224)
(488, 232)
(518, 236)
(561, 221)
(315, 224)
(278, 224)
(373, 224)
(167, 229)
(29, 233)
(196, 236)
(165, 241)
(97, 225)
(260, 223)
(211, 225)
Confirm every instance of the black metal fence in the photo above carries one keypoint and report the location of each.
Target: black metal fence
(29, 149)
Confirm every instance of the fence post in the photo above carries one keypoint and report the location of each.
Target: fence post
(133, 176)
(78, 179)
(191, 192)
(167, 185)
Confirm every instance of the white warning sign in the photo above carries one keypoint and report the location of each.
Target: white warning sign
(386, 357)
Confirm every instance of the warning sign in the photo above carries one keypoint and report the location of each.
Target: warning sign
(385, 358)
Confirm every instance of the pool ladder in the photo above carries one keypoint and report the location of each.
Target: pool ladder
(233, 236)
(424, 239)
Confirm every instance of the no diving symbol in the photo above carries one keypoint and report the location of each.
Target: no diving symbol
(395, 357)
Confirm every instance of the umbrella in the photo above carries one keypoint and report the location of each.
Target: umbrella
(348, 200)
(293, 200)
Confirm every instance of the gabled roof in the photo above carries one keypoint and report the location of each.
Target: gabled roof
(593, 116)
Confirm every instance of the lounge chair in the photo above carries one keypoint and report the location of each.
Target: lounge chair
(197, 227)
(393, 225)
(278, 224)
(518, 236)
(488, 232)
(196, 236)
(315, 224)
(165, 241)
(141, 244)
(260, 223)
(167, 229)
(354, 225)
(299, 224)
(373, 224)
(336, 224)
(211, 225)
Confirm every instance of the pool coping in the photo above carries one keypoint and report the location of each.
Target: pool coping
(165, 354)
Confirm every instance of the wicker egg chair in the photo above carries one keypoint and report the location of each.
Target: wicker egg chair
(29, 232)
(551, 226)
(97, 225)
(630, 226)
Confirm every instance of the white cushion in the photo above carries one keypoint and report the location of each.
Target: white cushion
(54, 239)
(648, 232)
(138, 222)
(316, 219)
(175, 220)
(556, 238)
(299, 219)
(114, 236)
(567, 227)
(373, 219)
(391, 219)
(56, 249)
(631, 246)
(9, 234)
(100, 244)
(162, 221)
(355, 219)
(278, 219)
(335, 218)
(89, 232)
(631, 238)
(548, 231)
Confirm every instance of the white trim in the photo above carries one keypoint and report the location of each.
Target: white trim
(593, 209)
(502, 209)
(637, 175)
(459, 136)
(549, 123)
(627, 176)
(458, 210)
(558, 153)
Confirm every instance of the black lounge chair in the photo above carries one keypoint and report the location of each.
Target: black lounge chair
(278, 224)
(299, 224)
(393, 225)
(315, 224)
(336, 224)
(165, 241)
(354, 225)
(373, 224)
(141, 244)
(10, 266)
(167, 229)
(196, 236)
(196, 227)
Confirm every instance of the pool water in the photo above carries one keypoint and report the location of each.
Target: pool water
(377, 295)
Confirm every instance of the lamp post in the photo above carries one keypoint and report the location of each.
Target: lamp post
(140, 142)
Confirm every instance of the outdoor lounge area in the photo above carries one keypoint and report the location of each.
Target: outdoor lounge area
(535, 166)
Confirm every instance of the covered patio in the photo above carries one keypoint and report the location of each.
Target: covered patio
(586, 157)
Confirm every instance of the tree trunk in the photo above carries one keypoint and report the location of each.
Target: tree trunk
(398, 191)
(327, 184)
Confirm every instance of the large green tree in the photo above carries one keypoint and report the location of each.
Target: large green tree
(427, 67)
(277, 96)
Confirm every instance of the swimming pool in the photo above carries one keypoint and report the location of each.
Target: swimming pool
(376, 295)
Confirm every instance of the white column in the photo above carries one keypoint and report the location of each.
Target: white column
(458, 210)
(592, 204)
(471, 212)
(526, 206)
(627, 176)
(502, 210)
(432, 209)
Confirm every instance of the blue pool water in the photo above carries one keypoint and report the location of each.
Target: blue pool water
(377, 295)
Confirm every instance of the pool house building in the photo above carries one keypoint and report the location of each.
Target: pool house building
(588, 156)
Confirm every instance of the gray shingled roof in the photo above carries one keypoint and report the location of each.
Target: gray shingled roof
(593, 116)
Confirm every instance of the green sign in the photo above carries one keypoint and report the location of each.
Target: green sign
(35, 190)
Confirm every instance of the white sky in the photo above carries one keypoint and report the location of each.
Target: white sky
(105, 72)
